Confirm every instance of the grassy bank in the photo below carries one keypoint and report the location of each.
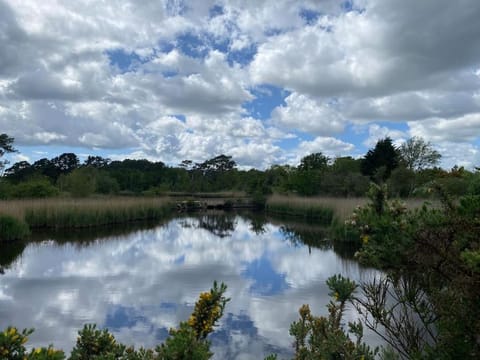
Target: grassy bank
(81, 213)
(12, 228)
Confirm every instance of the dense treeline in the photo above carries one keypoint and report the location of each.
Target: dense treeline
(408, 170)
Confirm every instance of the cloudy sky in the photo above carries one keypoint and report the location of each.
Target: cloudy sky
(263, 81)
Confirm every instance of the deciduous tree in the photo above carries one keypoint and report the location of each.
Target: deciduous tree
(417, 154)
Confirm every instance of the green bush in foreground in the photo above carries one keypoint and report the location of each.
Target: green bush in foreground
(12, 228)
(325, 337)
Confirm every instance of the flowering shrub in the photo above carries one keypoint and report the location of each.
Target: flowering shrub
(12, 347)
(324, 337)
(428, 302)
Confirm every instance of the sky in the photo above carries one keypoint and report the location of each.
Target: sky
(266, 82)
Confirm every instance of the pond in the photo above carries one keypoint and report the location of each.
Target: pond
(141, 282)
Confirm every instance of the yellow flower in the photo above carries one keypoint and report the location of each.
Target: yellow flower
(336, 296)
(38, 351)
(365, 239)
(192, 321)
(304, 310)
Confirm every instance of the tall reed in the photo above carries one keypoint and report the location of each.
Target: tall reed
(314, 208)
(76, 213)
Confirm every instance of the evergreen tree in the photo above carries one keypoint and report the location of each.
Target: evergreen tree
(379, 162)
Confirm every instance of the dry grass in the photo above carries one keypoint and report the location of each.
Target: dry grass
(64, 212)
(342, 207)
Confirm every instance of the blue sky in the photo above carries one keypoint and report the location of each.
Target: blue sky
(266, 82)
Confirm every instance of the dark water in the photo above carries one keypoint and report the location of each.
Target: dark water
(140, 282)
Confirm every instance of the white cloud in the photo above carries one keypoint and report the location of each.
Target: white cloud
(385, 60)
(377, 132)
(328, 146)
(304, 114)
(461, 129)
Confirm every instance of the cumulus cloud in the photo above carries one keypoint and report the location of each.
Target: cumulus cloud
(377, 132)
(104, 75)
(460, 129)
(328, 146)
(305, 114)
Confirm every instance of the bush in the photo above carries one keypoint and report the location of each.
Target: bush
(35, 188)
(12, 228)
(435, 253)
(324, 337)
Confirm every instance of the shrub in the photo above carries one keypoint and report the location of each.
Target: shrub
(12, 228)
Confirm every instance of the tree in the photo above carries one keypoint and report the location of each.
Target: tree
(316, 161)
(97, 162)
(379, 162)
(79, 182)
(417, 154)
(6, 146)
(19, 171)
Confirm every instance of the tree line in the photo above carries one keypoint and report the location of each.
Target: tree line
(408, 170)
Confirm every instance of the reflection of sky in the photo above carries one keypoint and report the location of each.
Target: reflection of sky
(140, 285)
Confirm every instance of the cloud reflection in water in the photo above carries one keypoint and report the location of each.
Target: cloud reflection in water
(141, 284)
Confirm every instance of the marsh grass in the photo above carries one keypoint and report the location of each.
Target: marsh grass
(313, 208)
(80, 213)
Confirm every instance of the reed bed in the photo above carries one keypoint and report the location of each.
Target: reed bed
(80, 213)
(314, 207)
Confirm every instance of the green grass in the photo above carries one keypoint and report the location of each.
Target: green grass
(12, 228)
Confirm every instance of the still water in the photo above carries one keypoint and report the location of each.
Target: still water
(141, 282)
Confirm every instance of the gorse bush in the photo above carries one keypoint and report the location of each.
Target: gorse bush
(12, 347)
(325, 337)
(432, 259)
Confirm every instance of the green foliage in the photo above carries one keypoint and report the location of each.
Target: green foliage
(402, 182)
(36, 187)
(12, 347)
(320, 214)
(379, 162)
(325, 337)
(437, 251)
(189, 340)
(106, 184)
(79, 182)
(12, 228)
(316, 161)
(418, 154)
(6, 146)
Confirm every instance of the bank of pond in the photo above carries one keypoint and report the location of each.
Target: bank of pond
(19, 218)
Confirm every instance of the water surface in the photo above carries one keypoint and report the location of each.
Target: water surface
(141, 283)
